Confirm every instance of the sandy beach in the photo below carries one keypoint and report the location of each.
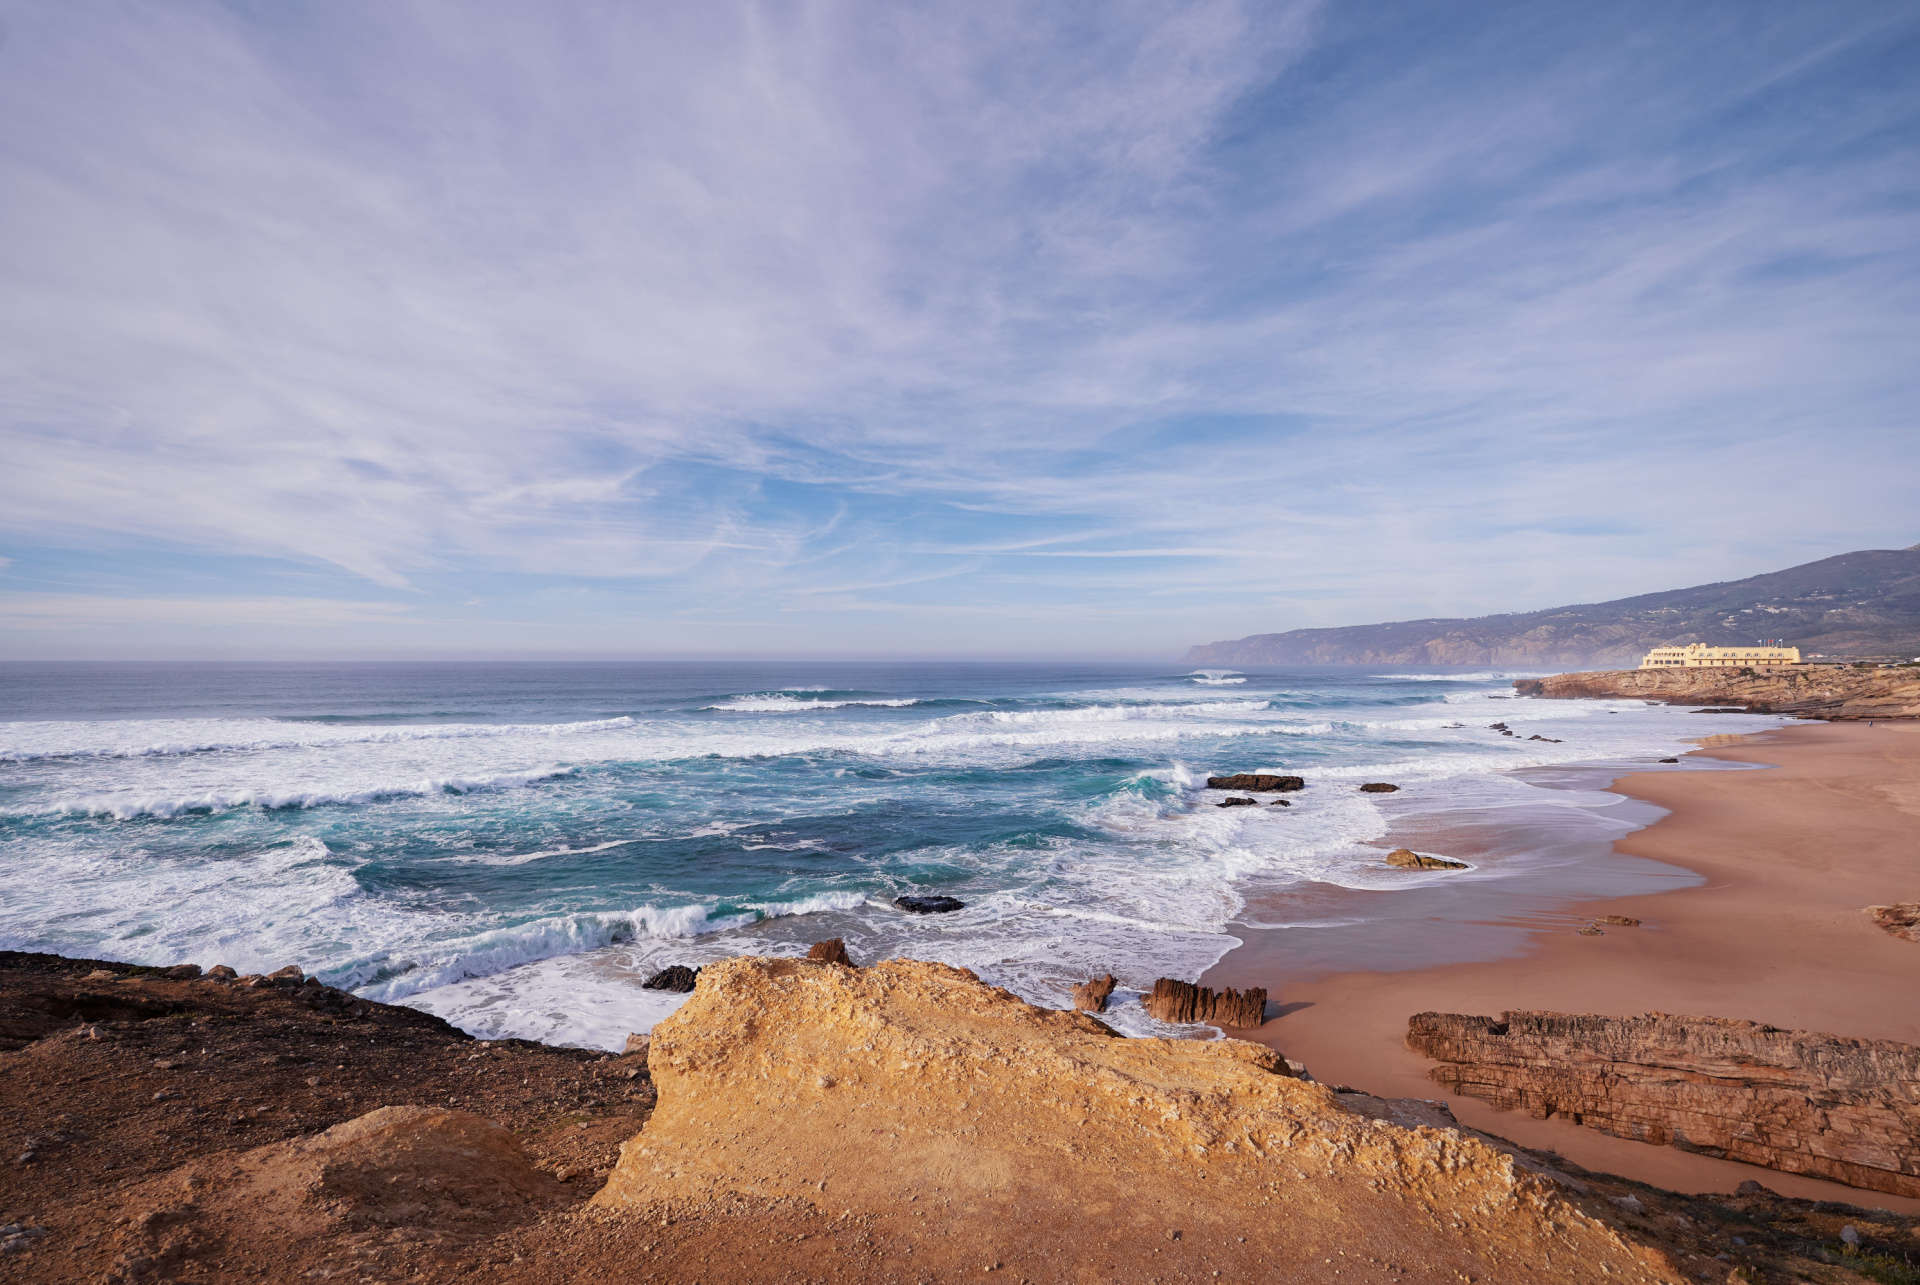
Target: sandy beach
(1775, 933)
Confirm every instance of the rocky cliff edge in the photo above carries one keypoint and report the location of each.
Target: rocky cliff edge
(1810, 691)
(912, 1092)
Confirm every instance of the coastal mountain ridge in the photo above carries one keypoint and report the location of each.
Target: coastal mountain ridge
(1852, 605)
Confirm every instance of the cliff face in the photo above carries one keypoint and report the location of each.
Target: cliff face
(1856, 604)
(909, 1092)
(1814, 691)
(1804, 1103)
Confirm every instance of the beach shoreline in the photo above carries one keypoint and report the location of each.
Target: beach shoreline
(1766, 925)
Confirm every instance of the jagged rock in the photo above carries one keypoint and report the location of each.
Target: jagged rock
(897, 1093)
(1183, 1002)
(1379, 787)
(1238, 802)
(1257, 782)
(1091, 996)
(929, 905)
(831, 951)
(1408, 859)
(1797, 1101)
(1902, 919)
(674, 977)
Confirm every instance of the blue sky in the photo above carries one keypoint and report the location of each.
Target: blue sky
(624, 329)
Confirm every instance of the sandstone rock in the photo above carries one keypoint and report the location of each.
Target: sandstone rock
(831, 951)
(1257, 782)
(674, 977)
(181, 972)
(1618, 921)
(1379, 787)
(903, 1092)
(635, 1044)
(1902, 919)
(1238, 802)
(1591, 930)
(289, 977)
(929, 905)
(221, 973)
(1797, 1101)
(1183, 1002)
(1408, 859)
(1091, 996)
(100, 975)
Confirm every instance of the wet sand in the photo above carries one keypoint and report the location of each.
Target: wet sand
(1769, 871)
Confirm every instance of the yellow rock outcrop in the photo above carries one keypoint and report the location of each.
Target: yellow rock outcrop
(917, 1098)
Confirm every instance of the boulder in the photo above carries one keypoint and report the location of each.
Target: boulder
(221, 973)
(1902, 919)
(289, 977)
(1238, 802)
(636, 1043)
(1257, 782)
(675, 977)
(1669, 760)
(1091, 995)
(929, 905)
(1183, 1002)
(1798, 1101)
(1281, 803)
(831, 951)
(1379, 787)
(1408, 859)
(181, 972)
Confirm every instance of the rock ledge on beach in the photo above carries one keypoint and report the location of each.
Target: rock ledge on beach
(1181, 1002)
(1797, 1101)
(1408, 859)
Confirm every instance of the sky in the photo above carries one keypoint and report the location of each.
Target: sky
(1091, 329)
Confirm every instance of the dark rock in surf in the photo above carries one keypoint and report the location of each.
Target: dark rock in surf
(675, 977)
(1182, 1002)
(1669, 760)
(1281, 803)
(929, 905)
(1238, 802)
(1379, 787)
(831, 951)
(1257, 782)
(1091, 995)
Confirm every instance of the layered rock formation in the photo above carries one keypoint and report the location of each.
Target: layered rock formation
(1811, 691)
(1183, 1002)
(911, 1095)
(1091, 995)
(1848, 1110)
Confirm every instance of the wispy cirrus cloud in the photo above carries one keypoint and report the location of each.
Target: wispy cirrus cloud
(597, 323)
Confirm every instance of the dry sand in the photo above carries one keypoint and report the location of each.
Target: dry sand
(1790, 856)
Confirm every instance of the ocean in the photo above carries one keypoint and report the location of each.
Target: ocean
(517, 846)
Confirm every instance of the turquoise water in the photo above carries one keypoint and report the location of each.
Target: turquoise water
(516, 846)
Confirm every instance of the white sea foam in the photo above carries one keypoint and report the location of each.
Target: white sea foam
(783, 703)
(125, 807)
(1217, 677)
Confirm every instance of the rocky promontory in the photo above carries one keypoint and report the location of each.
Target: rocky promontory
(1809, 691)
(820, 1122)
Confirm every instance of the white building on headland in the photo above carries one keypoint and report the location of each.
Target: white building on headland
(1701, 656)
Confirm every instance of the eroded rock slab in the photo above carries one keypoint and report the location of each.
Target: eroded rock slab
(1800, 1102)
(1181, 1002)
(1256, 782)
(1902, 919)
(911, 1095)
